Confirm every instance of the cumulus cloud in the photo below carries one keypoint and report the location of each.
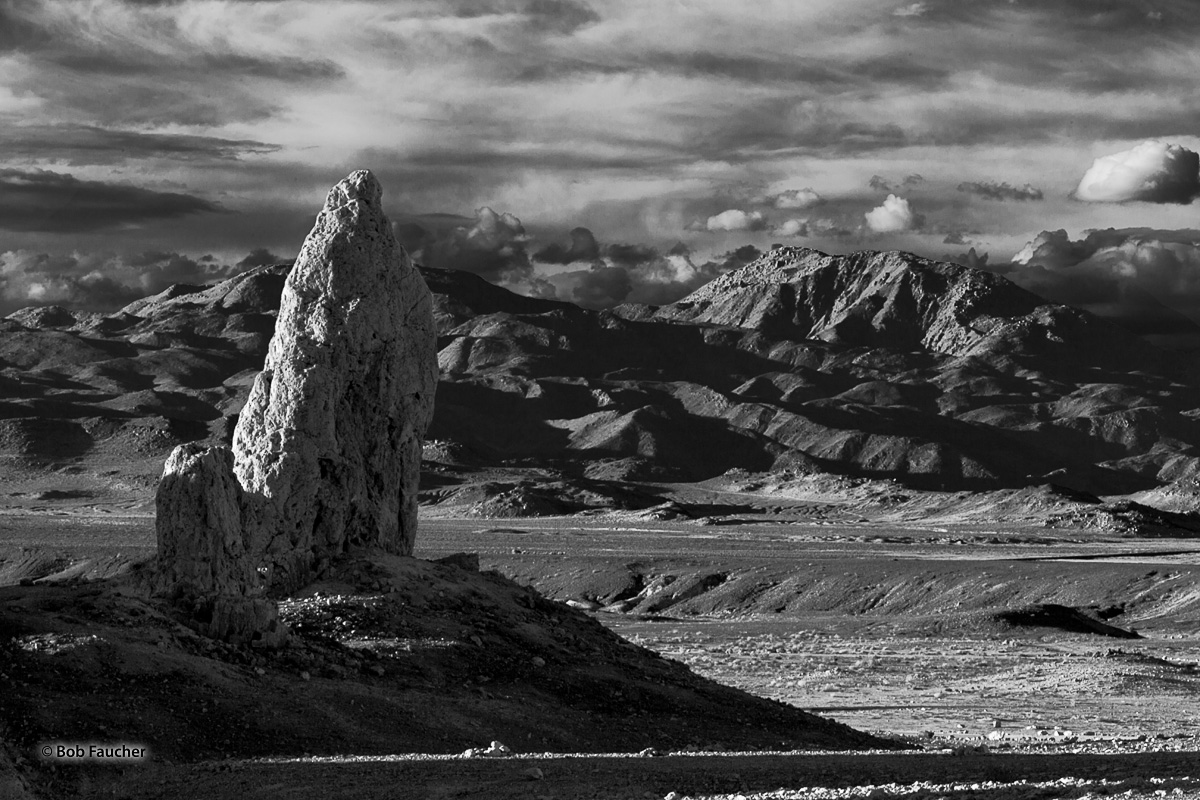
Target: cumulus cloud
(493, 245)
(735, 219)
(636, 273)
(896, 214)
(41, 200)
(992, 190)
(791, 227)
(1153, 172)
(795, 199)
(911, 10)
(102, 281)
(1146, 280)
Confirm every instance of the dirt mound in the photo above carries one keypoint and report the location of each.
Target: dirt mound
(37, 438)
(43, 317)
(1129, 518)
(460, 657)
(459, 296)
(1065, 618)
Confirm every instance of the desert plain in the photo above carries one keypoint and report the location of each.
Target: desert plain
(886, 616)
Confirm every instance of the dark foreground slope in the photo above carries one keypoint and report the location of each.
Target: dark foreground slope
(880, 365)
(389, 655)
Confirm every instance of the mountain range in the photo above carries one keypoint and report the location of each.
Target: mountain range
(870, 365)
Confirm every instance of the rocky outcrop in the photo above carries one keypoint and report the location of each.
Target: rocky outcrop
(201, 544)
(204, 564)
(327, 450)
(328, 446)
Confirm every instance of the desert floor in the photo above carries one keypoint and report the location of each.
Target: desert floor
(891, 627)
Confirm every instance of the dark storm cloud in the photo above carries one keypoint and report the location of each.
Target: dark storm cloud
(40, 200)
(881, 184)
(144, 100)
(259, 257)
(992, 190)
(791, 69)
(120, 64)
(88, 144)
(558, 16)
(1146, 280)
(601, 287)
(583, 247)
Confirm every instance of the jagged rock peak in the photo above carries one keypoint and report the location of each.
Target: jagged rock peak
(359, 186)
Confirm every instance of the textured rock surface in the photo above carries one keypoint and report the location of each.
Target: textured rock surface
(198, 517)
(204, 565)
(900, 301)
(328, 445)
(327, 451)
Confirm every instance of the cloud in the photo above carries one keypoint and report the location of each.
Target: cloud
(805, 226)
(911, 10)
(102, 281)
(879, 183)
(795, 199)
(40, 200)
(1153, 172)
(636, 273)
(970, 259)
(157, 63)
(893, 216)
(791, 227)
(882, 184)
(734, 219)
(258, 257)
(601, 287)
(991, 190)
(493, 246)
(89, 144)
(583, 247)
(1144, 279)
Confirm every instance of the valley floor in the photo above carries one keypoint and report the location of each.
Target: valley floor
(896, 628)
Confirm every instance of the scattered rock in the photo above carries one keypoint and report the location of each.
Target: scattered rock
(497, 749)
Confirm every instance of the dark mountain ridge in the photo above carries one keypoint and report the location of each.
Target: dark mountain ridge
(881, 365)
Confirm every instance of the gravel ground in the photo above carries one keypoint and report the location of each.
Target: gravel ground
(950, 774)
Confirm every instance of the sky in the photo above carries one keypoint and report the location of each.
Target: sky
(606, 151)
